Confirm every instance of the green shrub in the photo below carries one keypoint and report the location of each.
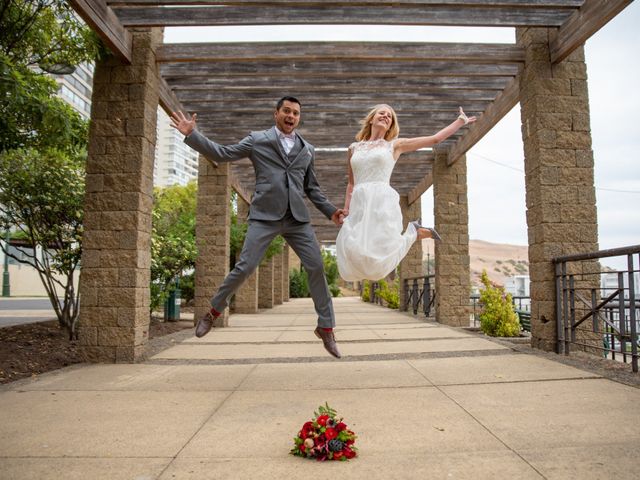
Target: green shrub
(366, 291)
(298, 283)
(389, 293)
(331, 272)
(498, 317)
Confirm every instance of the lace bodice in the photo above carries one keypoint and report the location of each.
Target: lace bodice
(372, 161)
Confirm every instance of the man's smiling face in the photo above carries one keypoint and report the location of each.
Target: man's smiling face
(287, 117)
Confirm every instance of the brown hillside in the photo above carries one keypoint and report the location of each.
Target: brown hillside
(499, 260)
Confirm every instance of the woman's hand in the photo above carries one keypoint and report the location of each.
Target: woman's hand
(464, 117)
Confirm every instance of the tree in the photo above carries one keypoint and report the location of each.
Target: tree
(43, 143)
(39, 35)
(173, 238)
(41, 196)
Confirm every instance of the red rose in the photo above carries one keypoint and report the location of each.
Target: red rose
(307, 429)
(341, 426)
(302, 448)
(337, 455)
(348, 452)
(322, 420)
(330, 433)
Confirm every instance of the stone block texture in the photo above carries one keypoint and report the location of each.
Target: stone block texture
(247, 295)
(560, 194)
(265, 284)
(453, 281)
(116, 260)
(411, 264)
(285, 272)
(278, 279)
(213, 221)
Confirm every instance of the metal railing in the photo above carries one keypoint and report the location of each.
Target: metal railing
(596, 316)
(419, 294)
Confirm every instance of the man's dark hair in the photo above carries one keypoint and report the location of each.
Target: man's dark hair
(287, 99)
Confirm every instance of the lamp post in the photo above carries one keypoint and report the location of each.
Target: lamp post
(6, 287)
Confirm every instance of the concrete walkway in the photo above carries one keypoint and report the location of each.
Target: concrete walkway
(427, 402)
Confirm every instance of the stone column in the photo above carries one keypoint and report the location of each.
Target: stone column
(411, 265)
(561, 200)
(247, 294)
(285, 273)
(265, 284)
(453, 282)
(116, 258)
(213, 220)
(278, 279)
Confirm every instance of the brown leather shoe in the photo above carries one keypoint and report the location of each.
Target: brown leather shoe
(329, 341)
(204, 325)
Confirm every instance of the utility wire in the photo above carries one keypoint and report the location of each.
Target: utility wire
(522, 171)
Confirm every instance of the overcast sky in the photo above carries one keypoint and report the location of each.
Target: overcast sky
(496, 163)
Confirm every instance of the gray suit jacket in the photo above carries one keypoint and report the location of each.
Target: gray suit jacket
(281, 182)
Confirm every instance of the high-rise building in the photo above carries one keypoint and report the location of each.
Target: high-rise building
(76, 88)
(175, 162)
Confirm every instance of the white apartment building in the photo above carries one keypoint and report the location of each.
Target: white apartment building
(76, 88)
(175, 162)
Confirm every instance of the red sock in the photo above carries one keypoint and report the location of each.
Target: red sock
(214, 312)
(327, 329)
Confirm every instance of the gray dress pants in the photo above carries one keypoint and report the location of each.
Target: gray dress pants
(301, 237)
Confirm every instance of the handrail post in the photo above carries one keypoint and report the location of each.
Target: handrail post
(559, 318)
(426, 296)
(632, 315)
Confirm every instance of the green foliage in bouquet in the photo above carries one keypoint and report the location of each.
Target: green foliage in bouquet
(498, 317)
(326, 437)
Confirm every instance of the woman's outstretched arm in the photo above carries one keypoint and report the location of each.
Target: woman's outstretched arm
(403, 145)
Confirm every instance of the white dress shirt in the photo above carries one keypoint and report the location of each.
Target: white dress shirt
(286, 140)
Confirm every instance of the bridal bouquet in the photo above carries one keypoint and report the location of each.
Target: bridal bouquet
(326, 437)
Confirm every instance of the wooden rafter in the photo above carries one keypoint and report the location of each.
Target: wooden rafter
(318, 51)
(328, 14)
(492, 115)
(104, 22)
(586, 21)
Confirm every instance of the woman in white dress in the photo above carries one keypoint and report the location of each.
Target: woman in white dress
(371, 244)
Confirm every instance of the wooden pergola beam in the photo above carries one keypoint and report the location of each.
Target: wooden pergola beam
(349, 51)
(168, 100)
(328, 14)
(343, 3)
(587, 20)
(336, 68)
(492, 115)
(417, 191)
(104, 22)
(320, 83)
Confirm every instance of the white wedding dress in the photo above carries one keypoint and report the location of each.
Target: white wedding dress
(370, 244)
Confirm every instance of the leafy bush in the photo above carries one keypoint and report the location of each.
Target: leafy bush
(331, 272)
(389, 293)
(498, 317)
(298, 283)
(366, 291)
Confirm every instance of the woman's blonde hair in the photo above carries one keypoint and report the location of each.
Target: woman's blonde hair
(365, 131)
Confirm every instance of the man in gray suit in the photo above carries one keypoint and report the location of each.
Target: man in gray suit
(284, 166)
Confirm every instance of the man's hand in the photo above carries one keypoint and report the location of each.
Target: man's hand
(338, 217)
(182, 123)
